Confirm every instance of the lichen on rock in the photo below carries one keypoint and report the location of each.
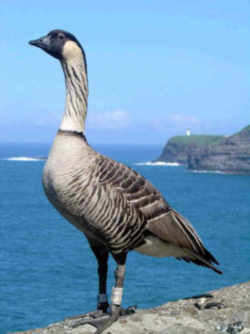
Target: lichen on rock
(225, 310)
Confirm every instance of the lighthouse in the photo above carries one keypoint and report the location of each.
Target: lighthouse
(188, 132)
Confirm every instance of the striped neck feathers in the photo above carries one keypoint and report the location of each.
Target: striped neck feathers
(76, 80)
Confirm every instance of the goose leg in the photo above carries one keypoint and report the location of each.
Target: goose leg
(102, 259)
(104, 321)
(117, 291)
(102, 300)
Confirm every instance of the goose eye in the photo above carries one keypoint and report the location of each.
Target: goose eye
(60, 36)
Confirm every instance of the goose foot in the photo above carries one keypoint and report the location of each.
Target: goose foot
(101, 320)
(89, 315)
(102, 309)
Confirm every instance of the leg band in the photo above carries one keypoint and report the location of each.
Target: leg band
(102, 298)
(116, 297)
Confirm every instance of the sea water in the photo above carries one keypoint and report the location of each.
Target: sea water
(48, 271)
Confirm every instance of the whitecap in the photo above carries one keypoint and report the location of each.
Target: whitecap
(157, 163)
(208, 171)
(24, 159)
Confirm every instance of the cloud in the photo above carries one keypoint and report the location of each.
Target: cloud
(110, 120)
(175, 121)
(183, 119)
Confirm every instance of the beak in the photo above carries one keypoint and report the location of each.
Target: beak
(42, 42)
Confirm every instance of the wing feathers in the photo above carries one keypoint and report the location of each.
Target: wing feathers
(201, 261)
(175, 229)
(161, 220)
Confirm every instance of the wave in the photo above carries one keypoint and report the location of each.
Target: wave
(208, 171)
(24, 159)
(157, 163)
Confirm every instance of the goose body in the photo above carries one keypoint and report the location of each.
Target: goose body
(116, 208)
(114, 205)
(74, 184)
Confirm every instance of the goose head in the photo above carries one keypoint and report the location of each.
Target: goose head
(59, 44)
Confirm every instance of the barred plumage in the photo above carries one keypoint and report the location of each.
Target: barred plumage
(116, 208)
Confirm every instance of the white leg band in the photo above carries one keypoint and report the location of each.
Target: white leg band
(116, 297)
(102, 298)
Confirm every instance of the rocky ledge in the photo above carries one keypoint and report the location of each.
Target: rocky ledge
(227, 154)
(179, 148)
(230, 155)
(225, 310)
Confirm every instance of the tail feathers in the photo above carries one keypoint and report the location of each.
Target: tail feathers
(201, 260)
(210, 257)
(177, 231)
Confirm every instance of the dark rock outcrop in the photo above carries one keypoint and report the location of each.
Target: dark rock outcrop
(225, 310)
(231, 155)
(211, 153)
(178, 148)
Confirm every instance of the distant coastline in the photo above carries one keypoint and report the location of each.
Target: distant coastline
(210, 153)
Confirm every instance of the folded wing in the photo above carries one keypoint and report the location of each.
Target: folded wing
(162, 222)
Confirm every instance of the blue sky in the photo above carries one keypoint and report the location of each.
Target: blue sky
(155, 68)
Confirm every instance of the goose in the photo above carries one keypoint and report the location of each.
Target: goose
(116, 208)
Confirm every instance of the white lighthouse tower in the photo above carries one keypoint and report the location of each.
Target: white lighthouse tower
(188, 132)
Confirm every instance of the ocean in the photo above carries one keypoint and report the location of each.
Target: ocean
(48, 271)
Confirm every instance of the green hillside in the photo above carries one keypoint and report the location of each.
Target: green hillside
(199, 140)
(247, 128)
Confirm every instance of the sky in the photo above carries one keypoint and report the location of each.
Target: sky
(155, 68)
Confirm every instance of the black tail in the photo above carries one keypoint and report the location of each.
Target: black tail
(205, 260)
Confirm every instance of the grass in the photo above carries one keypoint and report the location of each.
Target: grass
(199, 140)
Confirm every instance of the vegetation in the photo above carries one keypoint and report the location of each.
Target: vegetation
(198, 140)
(247, 128)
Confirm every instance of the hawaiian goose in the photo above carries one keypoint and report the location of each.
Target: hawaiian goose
(116, 208)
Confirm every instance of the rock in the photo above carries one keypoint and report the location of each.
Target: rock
(225, 310)
(234, 328)
(230, 155)
(178, 148)
(210, 153)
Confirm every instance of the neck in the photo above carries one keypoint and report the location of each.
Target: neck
(76, 81)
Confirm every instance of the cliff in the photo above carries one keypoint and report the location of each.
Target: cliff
(178, 148)
(225, 310)
(230, 154)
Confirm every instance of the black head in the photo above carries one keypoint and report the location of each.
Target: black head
(54, 43)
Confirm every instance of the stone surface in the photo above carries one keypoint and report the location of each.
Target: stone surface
(211, 153)
(231, 155)
(178, 148)
(221, 311)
